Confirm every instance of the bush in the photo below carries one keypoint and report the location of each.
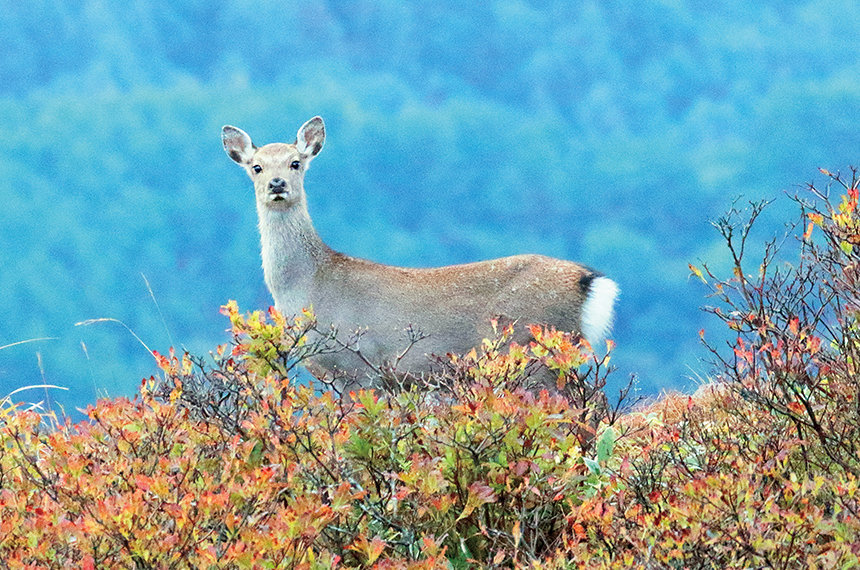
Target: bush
(234, 465)
(760, 469)
(227, 462)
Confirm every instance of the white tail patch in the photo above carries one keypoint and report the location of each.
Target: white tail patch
(597, 312)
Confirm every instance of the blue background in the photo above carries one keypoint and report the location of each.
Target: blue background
(609, 133)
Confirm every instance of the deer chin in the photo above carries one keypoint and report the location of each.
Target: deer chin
(280, 201)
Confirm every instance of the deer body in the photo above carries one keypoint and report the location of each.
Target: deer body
(451, 305)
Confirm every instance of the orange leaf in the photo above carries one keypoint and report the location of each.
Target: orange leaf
(794, 325)
(517, 534)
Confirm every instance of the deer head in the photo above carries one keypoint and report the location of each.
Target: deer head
(277, 169)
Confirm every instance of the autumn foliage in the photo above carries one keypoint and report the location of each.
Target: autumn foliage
(227, 462)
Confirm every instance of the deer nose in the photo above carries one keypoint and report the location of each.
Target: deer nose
(277, 185)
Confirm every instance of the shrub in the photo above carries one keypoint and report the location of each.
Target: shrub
(231, 464)
(759, 470)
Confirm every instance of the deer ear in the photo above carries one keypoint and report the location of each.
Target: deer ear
(237, 144)
(311, 136)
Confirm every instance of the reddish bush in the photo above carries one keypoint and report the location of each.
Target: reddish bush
(761, 469)
(233, 465)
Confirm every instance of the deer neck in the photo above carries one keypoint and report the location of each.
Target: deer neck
(292, 253)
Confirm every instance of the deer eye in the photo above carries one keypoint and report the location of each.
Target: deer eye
(257, 169)
(295, 165)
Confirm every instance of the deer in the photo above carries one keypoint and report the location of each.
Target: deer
(453, 307)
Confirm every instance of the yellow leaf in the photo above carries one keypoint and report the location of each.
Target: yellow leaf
(370, 548)
(697, 272)
(377, 545)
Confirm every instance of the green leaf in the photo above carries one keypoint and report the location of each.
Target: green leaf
(256, 455)
(605, 444)
(592, 465)
(360, 447)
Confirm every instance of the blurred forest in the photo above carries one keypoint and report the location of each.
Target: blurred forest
(608, 132)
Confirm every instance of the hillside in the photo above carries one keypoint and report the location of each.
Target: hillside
(602, 132)
(228, 462)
